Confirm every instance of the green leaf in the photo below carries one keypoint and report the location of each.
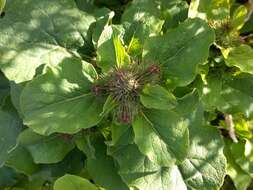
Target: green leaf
(209, 9)
(61, 99)
(238, 18)
(242, 154)
(146, 12)
(205, 165)
(155, 96)
(227, 93)
(84, 143)
(240, 178)
(71, 182)
(21, 161)
(15, 91)
(187, 103)
(241, 57)
(110, 51)
(242, 127)
(122, 134)
(237, 97)
(162, 136)
(86, 5)
(73, 163)
(140, 173)
(181, 50)
(121, 55)
(7, 176)
(37, 32)
(210, 91)
(248, 26)
(4, 88)
(2, 5)
(110, 103)
(10, 127)
(174, 12)
(135, 35)
(103, 20)
(45, 150)
(102, 167)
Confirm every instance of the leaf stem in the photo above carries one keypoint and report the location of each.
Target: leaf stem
(231, 127)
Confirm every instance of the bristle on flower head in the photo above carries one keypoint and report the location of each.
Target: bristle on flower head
(154, 69)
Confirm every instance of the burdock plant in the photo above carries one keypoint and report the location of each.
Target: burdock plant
(130, 96)
(132, 100)
(133, 109)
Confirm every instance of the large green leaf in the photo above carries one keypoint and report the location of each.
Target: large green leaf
(241, 57)
(45, 150)
(61, 100)
(142, 174)
(71, 182)
(204, 167)
(99, 165)
(10, 127)
(180, 50)
(35, 32)
(21, 161)
(162, 136)
(210, 9)
(155, 96)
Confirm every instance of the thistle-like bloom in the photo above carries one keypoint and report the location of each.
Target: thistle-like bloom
(124, 85)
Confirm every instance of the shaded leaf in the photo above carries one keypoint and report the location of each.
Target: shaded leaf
(146, 12)
(155, 96)
(181, 50)
(21, 161)
(240, 178)
(101, 166)
(61, 99)
(45, 150)
(241, 57)
(162, 136)
(35, 32)
(242, 154)
(10, 127)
